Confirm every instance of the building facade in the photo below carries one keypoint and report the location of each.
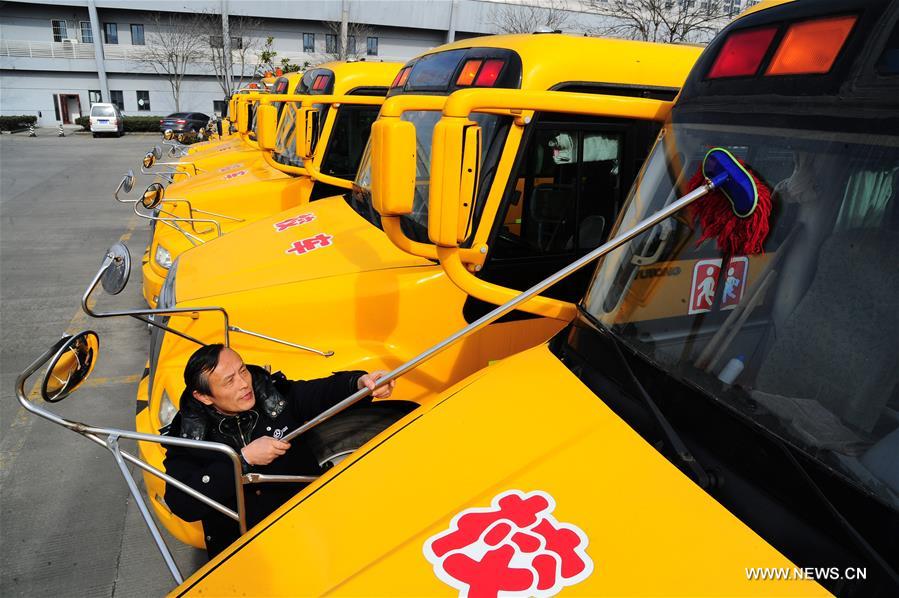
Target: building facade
(57, 57)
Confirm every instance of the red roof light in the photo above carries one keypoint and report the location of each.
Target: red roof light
(489, 73)
(320, 82)
(742, 53)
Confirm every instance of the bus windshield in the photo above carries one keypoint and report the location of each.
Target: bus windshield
(286, 139)
(802, 339)
(415, 225)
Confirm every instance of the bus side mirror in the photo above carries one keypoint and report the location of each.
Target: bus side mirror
(243, 117)
(153, 195)
(455, 165)
(116, 268)
(266, 127)
(393, 159)
(310, 126)
(168, 134)
(71, 365)
(149, 160)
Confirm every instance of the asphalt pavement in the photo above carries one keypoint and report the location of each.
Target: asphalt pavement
(68, 526)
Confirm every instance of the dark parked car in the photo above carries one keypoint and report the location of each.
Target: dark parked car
(184, 122)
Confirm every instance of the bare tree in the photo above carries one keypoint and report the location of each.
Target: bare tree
(173, 44)
(356, 46)
(245, 48)
(527, 18)
(662, 20)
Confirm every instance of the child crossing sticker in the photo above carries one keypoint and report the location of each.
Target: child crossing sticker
(707, 273)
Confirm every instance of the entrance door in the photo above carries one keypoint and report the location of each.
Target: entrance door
(70, 107)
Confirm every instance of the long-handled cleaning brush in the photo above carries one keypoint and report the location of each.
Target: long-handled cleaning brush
(714, 215)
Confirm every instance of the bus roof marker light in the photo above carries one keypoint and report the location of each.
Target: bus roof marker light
(489, 73)
(401, 77)
(736, 213)
(742, 53)
(811, 47)
(468, 73)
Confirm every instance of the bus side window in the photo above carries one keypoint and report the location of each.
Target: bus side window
(561, 203)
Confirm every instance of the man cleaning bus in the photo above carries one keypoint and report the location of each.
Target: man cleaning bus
(249, 409)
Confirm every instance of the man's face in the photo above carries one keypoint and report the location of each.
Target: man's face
(231, 385)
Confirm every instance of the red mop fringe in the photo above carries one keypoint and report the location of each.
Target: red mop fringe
(716, 219)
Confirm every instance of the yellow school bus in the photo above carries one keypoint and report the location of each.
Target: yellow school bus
(334, 285)
(342, 101)
(211, 153)
(663, 443)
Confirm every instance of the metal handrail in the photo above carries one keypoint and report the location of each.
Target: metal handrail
(94, 433)
(142, 315)
(215, 223)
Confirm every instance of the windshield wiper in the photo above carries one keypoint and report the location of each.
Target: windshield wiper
(850, 529)
(682, 453)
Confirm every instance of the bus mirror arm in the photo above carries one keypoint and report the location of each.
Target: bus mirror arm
(294, 170)
(111, 442)
(453, 264)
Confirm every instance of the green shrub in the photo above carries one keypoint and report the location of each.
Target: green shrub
(14, 123)
(142, 123)
(85, 122)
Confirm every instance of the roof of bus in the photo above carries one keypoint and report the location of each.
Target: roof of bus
(551, 58)
(762, 6)
(350, 75)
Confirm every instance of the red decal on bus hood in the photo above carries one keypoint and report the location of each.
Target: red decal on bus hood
(515, 547)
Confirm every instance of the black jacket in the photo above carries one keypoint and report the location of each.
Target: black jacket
(281, 406)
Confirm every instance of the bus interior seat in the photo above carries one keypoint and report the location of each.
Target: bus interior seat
(817, 371)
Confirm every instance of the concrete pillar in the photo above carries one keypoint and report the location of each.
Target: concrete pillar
(344, 29)
(226, 51)
(451, 29)
(98, 51)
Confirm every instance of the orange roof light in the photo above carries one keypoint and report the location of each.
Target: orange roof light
(401, 77)
(811, 47)
(466, 77)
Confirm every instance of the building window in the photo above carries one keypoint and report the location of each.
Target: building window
(143, 100)
(350, 45)
(94, 96)
(137, 35)
(60, 31)
(111, 32)
(330, 43)
(87, 36)
(372, 46)
(309, 42)
(116, 97)
(237, 43)
(219, 107)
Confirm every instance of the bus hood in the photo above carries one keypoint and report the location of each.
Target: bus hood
(318, 240)
(518, 461)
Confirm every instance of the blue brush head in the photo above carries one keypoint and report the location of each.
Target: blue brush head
(728, 175)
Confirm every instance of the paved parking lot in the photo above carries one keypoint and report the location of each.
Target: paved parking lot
(68, 525)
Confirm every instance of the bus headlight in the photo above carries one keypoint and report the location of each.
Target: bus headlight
(167, 409)
(163, 257)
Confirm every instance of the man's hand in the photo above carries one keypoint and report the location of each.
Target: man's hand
(369, 381)
(264, 450)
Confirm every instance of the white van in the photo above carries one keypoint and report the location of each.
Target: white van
(107, 118)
